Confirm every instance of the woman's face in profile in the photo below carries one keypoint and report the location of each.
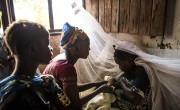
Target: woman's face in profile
(84, 49)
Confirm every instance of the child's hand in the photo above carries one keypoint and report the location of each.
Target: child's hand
(47, 79)
(112, 81)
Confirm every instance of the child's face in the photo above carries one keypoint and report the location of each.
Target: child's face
(83, 49)
(44, 53)
(124, 65)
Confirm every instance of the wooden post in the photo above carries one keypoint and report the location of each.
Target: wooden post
(158, 18)
(124, 16)
(134, 16)
(88, 5)
(145, 17)
(102, 13)
(94, 9)
(51, 20)
(107, 17)
(115, 16)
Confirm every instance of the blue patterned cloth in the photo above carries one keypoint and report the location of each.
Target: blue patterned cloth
(13, 83)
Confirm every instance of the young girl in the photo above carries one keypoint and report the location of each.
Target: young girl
(28, 43)
(76, 45)
(132, 88)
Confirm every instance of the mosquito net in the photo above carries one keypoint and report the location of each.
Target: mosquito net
(162, 66)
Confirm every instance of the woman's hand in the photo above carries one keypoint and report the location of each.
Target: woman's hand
(98, 84)
(106, 88)
(47, 79)
(112, 81)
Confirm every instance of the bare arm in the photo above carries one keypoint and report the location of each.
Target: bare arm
(131, 95)
(83, 87)
(73, 94)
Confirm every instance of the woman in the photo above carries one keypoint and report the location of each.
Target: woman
(76, 45)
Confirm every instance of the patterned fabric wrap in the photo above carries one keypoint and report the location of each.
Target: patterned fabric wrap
(71, 36)
(14, 83)
(126, 105)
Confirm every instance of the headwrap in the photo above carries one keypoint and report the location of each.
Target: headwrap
(71, 36)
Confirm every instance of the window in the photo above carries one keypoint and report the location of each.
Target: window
(59, 14)
(49, 13)
(33, 10)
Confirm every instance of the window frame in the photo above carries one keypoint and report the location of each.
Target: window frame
(8, 15)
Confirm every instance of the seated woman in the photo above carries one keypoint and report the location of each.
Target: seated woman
(76, 45)
(131, 88)
(28, 43)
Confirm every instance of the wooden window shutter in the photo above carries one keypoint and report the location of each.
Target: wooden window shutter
(139, 17)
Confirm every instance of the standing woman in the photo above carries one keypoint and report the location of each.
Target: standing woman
(76, 45)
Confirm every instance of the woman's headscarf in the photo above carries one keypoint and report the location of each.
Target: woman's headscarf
(71, 36)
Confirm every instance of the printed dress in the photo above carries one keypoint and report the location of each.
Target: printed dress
(63, 71)
(137, 80)
(30, 93)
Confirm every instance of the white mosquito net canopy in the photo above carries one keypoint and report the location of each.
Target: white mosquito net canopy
(163, 69)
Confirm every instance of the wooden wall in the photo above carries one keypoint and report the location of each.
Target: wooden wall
(139, 17)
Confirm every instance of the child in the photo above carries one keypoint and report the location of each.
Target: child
(132, 88)
(28, 43)
(76, 45)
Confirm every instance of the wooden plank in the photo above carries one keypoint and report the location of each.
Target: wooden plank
(107, 18)
(11, 10)
(170, 14)
(115, 16)
(124, 16)
(158, 18)
(88, 5)
(95, 9)
(5, 14)
(51, 20)
(102, 12)
(145, 17)
(134, 16)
